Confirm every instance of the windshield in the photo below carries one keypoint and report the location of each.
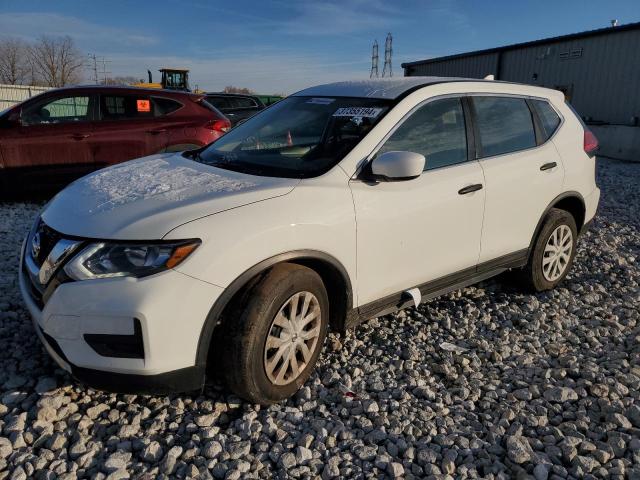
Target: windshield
(298, 137)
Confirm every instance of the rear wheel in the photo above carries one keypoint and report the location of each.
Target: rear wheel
(553, 252)
(273, 341)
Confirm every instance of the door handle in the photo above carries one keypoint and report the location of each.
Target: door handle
(548, 166)
(79, 136)
(156, 132)
(470, 188)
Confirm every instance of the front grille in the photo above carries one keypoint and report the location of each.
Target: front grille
(48, 238)
(41, 241)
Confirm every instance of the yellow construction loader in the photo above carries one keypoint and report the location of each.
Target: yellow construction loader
(172, 79)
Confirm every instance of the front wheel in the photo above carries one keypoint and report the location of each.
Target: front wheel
(273, 341)
(553, 252)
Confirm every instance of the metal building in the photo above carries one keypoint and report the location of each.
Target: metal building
(598, 70)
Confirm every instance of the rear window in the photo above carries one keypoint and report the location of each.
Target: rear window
(164, 106)
(505, 125)
(119, 107)
(242, 102)
(548, 117)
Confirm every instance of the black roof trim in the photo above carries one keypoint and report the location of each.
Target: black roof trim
(571, 36)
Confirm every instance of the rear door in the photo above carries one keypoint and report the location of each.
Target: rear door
(51, 146)
(522, 169)
(126, 129)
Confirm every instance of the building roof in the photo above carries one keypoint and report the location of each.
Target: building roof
(543, 41)
(388, 88)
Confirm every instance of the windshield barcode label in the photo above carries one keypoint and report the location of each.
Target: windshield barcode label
(366, 112)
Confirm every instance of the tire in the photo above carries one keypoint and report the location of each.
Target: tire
(543, 272)
(245, 357)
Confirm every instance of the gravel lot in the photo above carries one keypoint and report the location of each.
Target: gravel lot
(487, 382)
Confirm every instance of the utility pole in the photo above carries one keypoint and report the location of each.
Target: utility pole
(374, 60)
(388, 52)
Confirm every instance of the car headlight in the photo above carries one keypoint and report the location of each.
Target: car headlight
(106, 260)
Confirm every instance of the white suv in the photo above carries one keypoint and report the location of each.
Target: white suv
(340, 203)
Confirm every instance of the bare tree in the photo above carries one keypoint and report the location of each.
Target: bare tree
(232, 89)
(14, 63)
(56, 61)
(126, 80)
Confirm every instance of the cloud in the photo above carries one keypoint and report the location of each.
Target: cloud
(32, 25)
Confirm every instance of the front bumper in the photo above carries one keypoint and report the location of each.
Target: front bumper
(170, 309)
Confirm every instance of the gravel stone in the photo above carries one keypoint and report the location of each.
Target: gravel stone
(518, 449)
(212, 449)
(487, 382)
(560, 394)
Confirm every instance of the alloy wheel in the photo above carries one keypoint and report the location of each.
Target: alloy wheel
(557, 253)
(292, 338)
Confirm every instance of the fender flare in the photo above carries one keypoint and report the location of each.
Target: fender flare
(560, 197)
(212, 320)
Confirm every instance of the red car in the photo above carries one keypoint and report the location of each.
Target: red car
(60, 135)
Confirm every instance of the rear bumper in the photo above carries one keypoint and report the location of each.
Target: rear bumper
(591, 203)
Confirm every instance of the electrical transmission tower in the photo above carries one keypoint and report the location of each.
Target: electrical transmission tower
(374, 60)
(387, 70)
(96, 73)
(94, 67)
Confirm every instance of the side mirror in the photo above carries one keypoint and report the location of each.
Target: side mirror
(397, 166)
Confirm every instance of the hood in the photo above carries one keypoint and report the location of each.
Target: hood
(144, 199)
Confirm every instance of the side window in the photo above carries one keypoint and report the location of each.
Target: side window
(164, 106)
(59, 110)
(548, 116)
(122, 107)
(436, 130)
(219, 102)
(242, 102)
(505, 125)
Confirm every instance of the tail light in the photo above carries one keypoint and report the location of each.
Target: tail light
(590, 143)
(221, 126)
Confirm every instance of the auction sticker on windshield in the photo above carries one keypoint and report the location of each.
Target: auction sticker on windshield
(321, 101)
(366, 112)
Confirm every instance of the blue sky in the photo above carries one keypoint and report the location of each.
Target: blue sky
(280, 46)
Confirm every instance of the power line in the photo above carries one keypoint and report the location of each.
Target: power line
(388, 52)
(374, 60)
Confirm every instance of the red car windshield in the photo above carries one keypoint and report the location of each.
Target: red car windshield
(298, 137)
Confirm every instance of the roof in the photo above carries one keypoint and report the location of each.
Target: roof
(126, 87)
(571, 36)
(388, 88)
(225, 94)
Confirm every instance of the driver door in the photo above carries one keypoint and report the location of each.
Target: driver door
(415, 231)
(51, 144)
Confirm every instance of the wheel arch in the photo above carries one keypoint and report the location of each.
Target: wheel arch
(572, 202)
(334, 275)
